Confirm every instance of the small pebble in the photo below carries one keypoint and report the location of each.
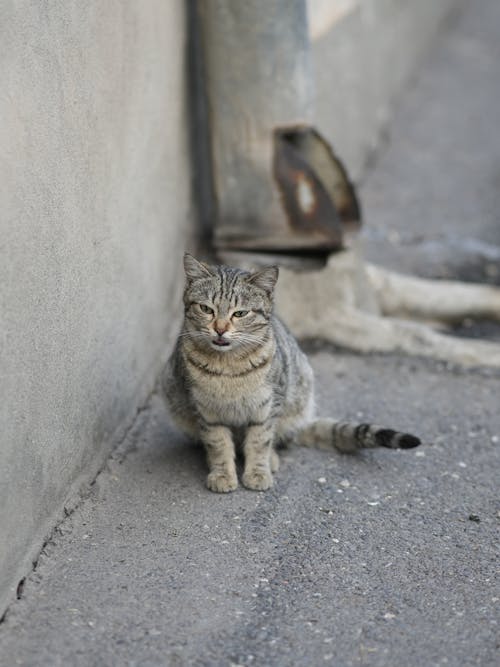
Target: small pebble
(321, 480)
(154, 632)
(474, 517)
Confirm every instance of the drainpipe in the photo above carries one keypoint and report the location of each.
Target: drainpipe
(277, 184)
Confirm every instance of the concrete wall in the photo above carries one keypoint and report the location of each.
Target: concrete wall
(94, 214)
(364, 52)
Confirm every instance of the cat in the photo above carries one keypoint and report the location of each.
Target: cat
(237, 377)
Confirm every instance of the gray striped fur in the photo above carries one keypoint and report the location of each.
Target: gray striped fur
(237, 378)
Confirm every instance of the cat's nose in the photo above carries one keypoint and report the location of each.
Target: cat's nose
(221, 327)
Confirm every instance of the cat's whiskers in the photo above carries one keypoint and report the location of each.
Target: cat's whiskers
(193, 334)
(245, 335)
(246, 344)
(247, 339)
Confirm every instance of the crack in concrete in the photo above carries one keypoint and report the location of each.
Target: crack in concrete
(118, 453)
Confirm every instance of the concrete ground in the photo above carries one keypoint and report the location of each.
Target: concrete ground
(386, 559)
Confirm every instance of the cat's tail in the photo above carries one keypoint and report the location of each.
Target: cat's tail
(350, 437)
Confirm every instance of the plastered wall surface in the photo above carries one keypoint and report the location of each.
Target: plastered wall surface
(364, 53)
(94, 213)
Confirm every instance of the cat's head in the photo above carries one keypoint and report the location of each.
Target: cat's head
(225, 308)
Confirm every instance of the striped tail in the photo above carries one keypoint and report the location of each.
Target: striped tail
(348, 437)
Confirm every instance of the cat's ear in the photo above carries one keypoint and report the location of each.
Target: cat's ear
(194, 269)
(265, 279)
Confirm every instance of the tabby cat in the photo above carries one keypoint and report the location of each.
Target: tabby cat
(237, 378)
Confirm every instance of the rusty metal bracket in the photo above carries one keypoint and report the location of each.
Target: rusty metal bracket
(316, 192)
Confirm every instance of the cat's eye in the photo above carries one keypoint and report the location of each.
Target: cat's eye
(240, 313)
(206, 309)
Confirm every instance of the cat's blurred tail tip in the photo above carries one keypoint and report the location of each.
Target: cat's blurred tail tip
(409, 441)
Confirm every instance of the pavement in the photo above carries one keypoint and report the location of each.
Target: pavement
(386, 559)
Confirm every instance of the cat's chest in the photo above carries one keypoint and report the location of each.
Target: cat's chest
(233, 400)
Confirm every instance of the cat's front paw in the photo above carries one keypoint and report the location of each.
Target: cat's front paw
(257, 480)
(221, 482)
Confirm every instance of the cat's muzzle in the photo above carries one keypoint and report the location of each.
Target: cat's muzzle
(220, 341)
